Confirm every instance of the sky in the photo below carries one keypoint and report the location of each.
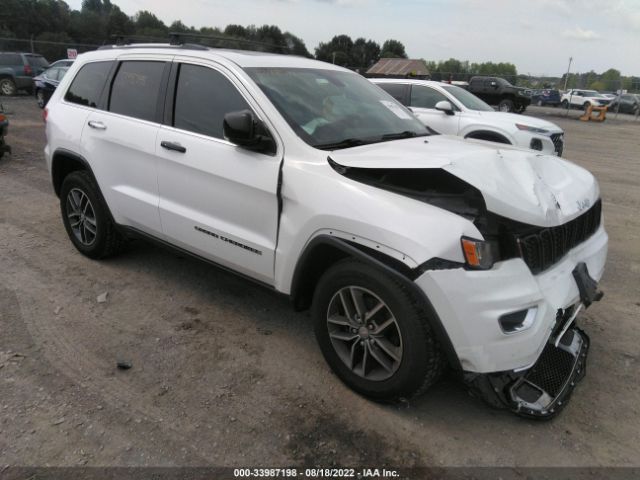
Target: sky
(538, 36)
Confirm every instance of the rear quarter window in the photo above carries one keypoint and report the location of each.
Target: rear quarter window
(396, 90)
(86, 88)
(37, 61)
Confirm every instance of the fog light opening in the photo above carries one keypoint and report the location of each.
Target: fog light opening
(536, 144)
(517, 321)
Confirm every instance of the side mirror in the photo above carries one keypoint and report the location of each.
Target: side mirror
(243, 129)
(445, 106)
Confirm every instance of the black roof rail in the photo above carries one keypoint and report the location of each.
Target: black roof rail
(183, 46)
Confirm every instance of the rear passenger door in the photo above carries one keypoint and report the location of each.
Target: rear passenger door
(217, 200)
(423, 101)
(120, 141)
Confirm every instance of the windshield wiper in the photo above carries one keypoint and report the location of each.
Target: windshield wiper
(405, 134)
(346, 143)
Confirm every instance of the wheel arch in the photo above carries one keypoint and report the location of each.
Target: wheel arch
(323, 251)
(64, 162)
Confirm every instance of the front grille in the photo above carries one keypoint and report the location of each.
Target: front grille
(558, 142)
(544, 248)
(552, 370)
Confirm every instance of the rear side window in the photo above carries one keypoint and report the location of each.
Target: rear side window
(136, 88)
(425, 97)
(87, 86)
(395, 90)
(10, 59)
(203, 97)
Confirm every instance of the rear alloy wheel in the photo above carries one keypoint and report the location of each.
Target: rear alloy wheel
(374, 333)
(86, 218)
(505, 106)
(40, 98)
(7, 87)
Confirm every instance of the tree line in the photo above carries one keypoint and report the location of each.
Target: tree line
(52, 26)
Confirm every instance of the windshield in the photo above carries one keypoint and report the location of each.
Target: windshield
(331, 109)
(467, 98)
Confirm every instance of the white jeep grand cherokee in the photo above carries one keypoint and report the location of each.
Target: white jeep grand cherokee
(414, 251)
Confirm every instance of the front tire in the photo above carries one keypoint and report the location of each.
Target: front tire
(374, 333)
(86, 217)
(565, 104)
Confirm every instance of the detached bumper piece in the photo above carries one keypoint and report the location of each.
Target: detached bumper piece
(545, 388)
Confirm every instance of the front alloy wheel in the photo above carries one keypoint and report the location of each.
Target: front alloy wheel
(364, 333)
(375, 332)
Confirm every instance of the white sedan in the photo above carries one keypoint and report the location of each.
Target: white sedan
(452, 110)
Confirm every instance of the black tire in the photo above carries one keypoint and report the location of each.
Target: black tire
(585, 105)
(40, 98)
(564, 104)
(505, 105)
(7, 87)
(421, 360)
(540, 104)
(106, 240)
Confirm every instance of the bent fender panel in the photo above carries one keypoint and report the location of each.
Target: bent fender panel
(389, 266)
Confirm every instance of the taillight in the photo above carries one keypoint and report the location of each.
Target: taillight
(28, 70)
(45, 113)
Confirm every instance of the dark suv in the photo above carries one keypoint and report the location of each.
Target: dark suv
(17, 71)
(497, 91)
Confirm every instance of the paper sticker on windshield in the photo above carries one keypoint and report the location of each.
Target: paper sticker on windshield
(396, 109)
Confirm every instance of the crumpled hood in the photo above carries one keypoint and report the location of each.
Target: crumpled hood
(519, 184)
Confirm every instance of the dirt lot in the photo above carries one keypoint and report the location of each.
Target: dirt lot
(225, 373)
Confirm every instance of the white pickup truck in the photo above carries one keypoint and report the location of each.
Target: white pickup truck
(583, 98)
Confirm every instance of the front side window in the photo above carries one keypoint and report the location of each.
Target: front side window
(425, 97)
(466, 98)
(87, 86)
(136, 88)
(332, 109)
(203, 97)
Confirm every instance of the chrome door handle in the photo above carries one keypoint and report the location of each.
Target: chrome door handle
(97, 125)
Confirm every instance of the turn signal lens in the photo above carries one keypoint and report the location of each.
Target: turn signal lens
(477, 253)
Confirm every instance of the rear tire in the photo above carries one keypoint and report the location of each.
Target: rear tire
(564, 104)
(7, 87)
(505, 105)
(351, 306)
(86, 217)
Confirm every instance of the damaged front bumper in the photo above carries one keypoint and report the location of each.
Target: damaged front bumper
(543, 390)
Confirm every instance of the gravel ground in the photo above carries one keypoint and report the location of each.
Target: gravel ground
(225, 373)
